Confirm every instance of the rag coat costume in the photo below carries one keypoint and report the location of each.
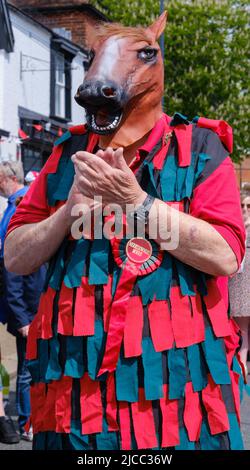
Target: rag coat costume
(146, 361)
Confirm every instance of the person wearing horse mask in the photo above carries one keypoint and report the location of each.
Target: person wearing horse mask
(138, 214)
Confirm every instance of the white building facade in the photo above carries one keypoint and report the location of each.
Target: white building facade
(38, 81)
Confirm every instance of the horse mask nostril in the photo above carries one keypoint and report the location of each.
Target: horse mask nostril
(108, 92)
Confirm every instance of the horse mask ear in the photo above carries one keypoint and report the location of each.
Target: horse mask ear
(158, 26)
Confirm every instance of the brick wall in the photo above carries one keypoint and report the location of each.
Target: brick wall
(80, 23)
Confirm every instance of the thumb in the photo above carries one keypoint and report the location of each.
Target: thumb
(119, 159)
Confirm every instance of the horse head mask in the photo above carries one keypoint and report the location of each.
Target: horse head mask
(123, 88)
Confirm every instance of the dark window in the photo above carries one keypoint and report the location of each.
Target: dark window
(62, 54)
(33, 157)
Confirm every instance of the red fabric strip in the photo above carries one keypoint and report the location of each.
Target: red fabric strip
(80, 129)
(124, 419)
(65, 314)
(107, 301)
(46, 308)
(215, 407)
(49, 417)
(91, 405)
(84, 315)
(92, 142)
(111, 408)
(159, 158)
(63, 404)
(182, 319)
(160, 325)
(232, 341)
(192, 413)
(133, 327)
(198, 320)
(183, 135)
(170, 423)
(216, 309)
(117, 318)
(34, 334)
(222, 129)
(37, 400)
(143, 421)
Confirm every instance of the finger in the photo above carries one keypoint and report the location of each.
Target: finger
(92, 160)
(107, 155)
(119, 159)
(85, 168)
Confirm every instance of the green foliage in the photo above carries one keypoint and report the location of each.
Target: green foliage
(206, 57)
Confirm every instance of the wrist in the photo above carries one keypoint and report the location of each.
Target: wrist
(140, 198)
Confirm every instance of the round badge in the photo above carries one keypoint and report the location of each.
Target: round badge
(138, 250)
(142, 252)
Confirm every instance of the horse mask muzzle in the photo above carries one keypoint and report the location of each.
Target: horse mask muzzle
(104, 103)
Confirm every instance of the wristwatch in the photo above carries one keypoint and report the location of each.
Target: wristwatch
(141, 214)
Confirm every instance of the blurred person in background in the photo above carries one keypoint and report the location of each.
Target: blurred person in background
(239, 286)
(19, 299)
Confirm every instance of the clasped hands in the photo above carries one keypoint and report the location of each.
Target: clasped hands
(106, 174)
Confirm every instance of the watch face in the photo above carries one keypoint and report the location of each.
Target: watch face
(138, 250)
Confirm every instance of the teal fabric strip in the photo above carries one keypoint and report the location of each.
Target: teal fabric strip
(236, 368)
(168, 179)
(53, 441)
(39, 441)
(33, 366)
(54, 179)
(185, 443)
(180, 183)
(74, 366)
(43, 355)
(207, 441)
(126, 378)
(107, 440)
(115, 279)
(57, 274)
(189, 181)
(152, 365)
(164, 278)
(179, 118)
(75, 267)
(66, 181)
(201, 283)
(99, 256)
(54, 370)
(185, 278)
(77, 440)
(95, 350)
(215, 355)
(151, 188)
(234, 433)
(177, 372)
(202, 159)
(63, 138)
(197, 367)
(147, 286)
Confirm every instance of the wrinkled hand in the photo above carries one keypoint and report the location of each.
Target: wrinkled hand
(24, 330)
(107, 174)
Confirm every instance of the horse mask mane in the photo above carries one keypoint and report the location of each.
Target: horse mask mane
(123, 88)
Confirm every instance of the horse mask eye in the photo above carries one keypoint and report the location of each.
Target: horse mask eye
(147, 54)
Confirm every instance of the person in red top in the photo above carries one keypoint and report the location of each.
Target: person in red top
(132, 347)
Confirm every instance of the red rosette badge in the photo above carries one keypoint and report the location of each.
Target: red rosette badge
(136, 256)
